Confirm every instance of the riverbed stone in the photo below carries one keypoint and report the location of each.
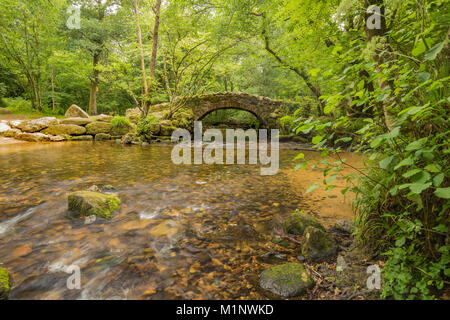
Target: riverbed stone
(70, 129)
(102, 136)
(14, 123)
(286, 280)
(298, 221)
(36, 125)
(33, 137)
(77, 121)
(98, 127)
(88, 203)
(75, 111)
(317, 245)
(5, 283)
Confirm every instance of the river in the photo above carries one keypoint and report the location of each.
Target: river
(182, 232)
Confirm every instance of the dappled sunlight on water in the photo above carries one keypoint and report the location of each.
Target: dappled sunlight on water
(189, 231)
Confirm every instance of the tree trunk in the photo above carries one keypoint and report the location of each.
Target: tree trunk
(53, 88)
(139, 36)
(154, 47)
(94, 86)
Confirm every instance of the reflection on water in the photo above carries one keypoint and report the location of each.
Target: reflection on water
(181, 232)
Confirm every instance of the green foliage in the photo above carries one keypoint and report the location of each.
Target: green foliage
(400, 102)
(145, 126)
(19, 105)
(120, 122)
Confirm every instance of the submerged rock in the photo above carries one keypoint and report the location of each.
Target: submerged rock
(88, 203)
(298, 221)
(70, 129)
(317, 245)
(36, 125)
(98, 127)
(5, 285)
(286, 280)
(75, 111)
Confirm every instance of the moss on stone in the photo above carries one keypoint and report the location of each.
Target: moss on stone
(317, 245)
(298, 221)
(5, 285)
(286, 280)
(87, 203)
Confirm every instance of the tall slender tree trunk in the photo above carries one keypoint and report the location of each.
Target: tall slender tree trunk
(53, 88)
(154, 47)
(139, 36)
(94, 85)
(379, 31)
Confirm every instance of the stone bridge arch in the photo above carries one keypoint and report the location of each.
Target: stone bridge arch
(265, 109)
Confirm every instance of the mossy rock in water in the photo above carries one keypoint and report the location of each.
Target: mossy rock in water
(298, 221)
(98, 127)
(318, 246)
(88, 203)
(286, 280)
(5, 285)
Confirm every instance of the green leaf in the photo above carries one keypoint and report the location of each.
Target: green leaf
(313, 187)
(417, 188)
(435, 168)
(416, 145)
(299, 156)
(437, 180)
(386, 162)
(317, 139)
(443, 193)
(405, 162)
(423, 76)
(400, 242)
(434, 51)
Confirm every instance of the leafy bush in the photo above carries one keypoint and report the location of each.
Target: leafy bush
(120, 122)
(19, 105)
(145, 125)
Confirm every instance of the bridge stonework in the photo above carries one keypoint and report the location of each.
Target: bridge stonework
(267, 110)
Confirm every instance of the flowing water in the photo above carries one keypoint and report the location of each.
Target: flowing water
(182, 232)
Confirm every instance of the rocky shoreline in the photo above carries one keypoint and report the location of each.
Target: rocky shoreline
(77, 126)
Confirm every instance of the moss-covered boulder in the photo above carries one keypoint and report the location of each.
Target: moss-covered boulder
(76, 111)
(102, 137)
(77, 121)
(5, 284)
(61, 129)
(166, 128)
(286, 280)
(98, 127)
(102, 118)
(33, 137)
(120, 131)
(318, 246)
(88, 203)
(298, 221)
(134, 114)
(11, 133)
(36, 125)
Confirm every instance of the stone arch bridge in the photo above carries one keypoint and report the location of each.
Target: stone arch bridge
(267, 110)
